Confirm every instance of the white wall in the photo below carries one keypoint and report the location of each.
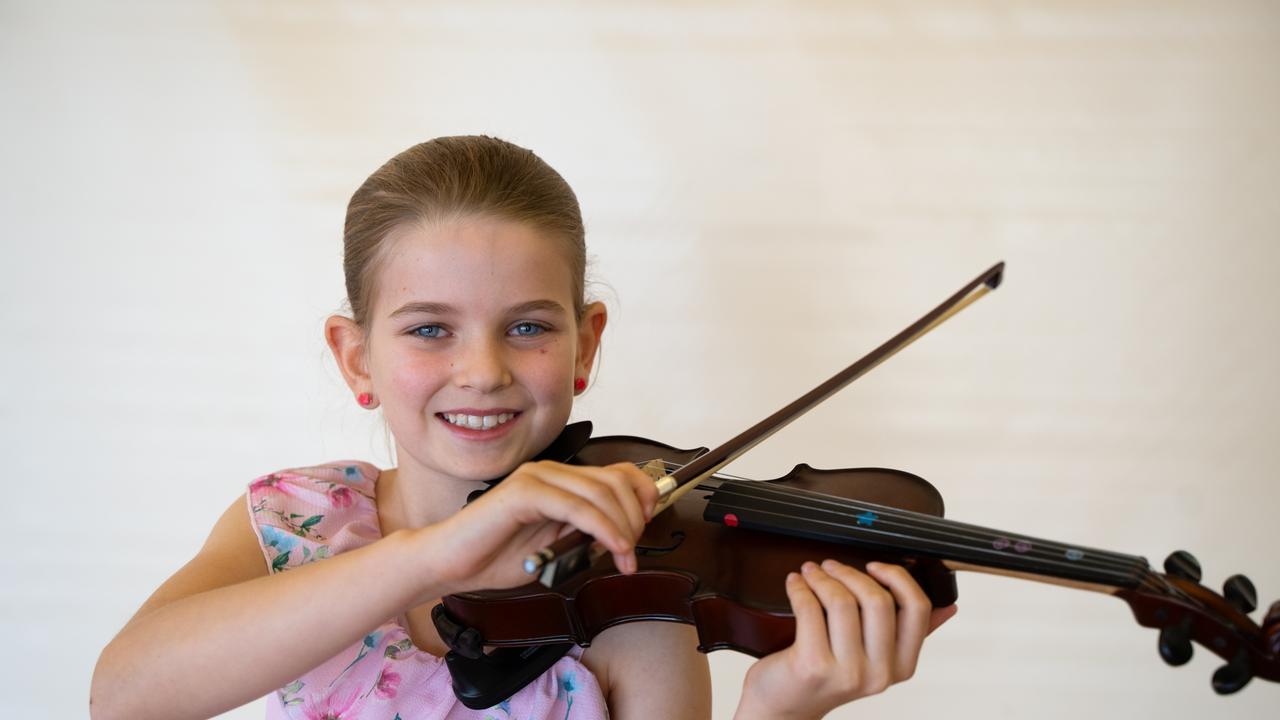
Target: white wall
(770, 192)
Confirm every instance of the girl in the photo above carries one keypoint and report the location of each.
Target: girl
(464, 261)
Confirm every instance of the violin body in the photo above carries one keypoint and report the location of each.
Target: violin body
(726, 581)
(718, 556)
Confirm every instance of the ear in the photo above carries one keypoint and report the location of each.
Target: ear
(590, 328)
(346, 340)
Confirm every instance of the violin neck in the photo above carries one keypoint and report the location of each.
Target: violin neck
(961, 546)
(1107, 588)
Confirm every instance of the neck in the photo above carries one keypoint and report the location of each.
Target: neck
(410, 496)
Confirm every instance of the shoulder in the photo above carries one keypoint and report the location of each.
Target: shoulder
(310, 513)
(235, 547)
(336, 479)
(633, 659)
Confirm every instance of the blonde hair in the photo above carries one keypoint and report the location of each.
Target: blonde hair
(449, 178)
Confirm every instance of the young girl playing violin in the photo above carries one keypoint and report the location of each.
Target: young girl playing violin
(464, 263)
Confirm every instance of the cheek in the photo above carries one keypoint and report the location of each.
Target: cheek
(415, 376)
(550, 369)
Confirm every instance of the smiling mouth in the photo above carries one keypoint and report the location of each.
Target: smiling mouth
(478, 422)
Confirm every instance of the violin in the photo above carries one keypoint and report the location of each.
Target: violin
(717, 551)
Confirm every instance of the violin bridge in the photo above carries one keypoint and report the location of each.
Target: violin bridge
(657, 469)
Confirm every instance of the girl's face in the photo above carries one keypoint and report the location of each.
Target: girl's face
(473, 345)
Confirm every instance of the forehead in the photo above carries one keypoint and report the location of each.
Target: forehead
(472, 263)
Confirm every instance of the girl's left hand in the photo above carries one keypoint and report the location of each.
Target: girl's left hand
(862, 645)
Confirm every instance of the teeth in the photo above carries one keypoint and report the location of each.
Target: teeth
(478, 422)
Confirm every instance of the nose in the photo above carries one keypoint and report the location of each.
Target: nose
(481, 366)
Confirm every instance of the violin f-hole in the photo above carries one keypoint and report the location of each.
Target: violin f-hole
(677, 538)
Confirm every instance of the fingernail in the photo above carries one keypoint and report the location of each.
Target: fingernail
(808, 567)
(793, 577)
(829, 564)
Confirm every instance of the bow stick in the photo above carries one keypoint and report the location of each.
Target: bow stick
(573, 552)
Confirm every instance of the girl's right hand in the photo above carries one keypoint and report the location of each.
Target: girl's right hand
(486, 542)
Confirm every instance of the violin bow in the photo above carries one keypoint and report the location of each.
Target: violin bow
(573, 552)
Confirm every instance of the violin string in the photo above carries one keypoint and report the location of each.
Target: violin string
(1027, 548)
(909, 518)
(1157, 583)
(1147, 578)
(922, 520)
(968, 551)
(1139, 566)
(1160, 581)
(924, 523)
(1042, 548)
(981, 552)
(1099, 560)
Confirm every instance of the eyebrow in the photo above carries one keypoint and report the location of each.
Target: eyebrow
(435, 308)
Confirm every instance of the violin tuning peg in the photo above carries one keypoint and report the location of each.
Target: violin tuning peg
(1183, 564)
(1175, 643)
(1271, 629)
(1273, 615)
(1239, 592)
(1234, 675)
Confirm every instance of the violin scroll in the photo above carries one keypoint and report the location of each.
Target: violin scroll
(1186, 612)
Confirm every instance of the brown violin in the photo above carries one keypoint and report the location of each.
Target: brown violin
(717, 552)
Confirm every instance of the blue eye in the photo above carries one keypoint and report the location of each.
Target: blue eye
(428, 331)
(527, 329)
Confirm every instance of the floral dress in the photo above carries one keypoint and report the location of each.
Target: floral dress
(308, 514)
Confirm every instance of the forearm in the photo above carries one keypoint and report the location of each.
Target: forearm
(750, 710)
(216, 650)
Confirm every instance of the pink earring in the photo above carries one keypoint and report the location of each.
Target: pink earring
(365, 399)
(579, 384)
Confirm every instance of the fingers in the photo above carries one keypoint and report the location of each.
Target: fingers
(534, 500)
(610, 503)
(941, 615)
(913, 615)
(811, 626)
(875, 617)
(634, 491)
(594, 486)
(875, 622)
(643, 486)
(843, 611)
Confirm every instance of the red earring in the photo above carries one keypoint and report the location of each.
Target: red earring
(365, 399)
(579, 384)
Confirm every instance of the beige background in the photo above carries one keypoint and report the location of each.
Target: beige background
(771, 190)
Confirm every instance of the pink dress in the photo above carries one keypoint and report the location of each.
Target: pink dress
(308, 514)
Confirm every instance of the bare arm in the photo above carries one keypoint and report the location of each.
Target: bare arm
(651, 670)
(208, 635)
(221, 632)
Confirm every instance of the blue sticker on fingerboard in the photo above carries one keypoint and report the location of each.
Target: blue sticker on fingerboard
(867, 518)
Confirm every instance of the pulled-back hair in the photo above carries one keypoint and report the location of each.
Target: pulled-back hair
(450, 178)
